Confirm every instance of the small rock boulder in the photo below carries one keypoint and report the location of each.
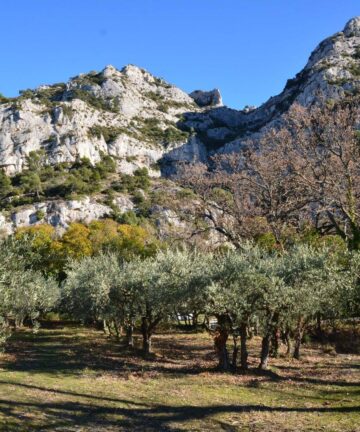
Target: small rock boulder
(207, 98)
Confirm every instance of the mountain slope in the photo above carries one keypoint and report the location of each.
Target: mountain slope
(142, 121)
(332, 72)
(127, 113)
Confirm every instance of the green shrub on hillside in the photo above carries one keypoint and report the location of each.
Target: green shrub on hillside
(354, 68)
(3, 99)
(42, 181)
(150, 130)
(5, 185)
(109, 133)
(156, 97)
(174, 135)
(131, 183)
(96, 102)
(356, 55)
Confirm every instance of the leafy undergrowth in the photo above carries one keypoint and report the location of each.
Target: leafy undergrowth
(75, 379)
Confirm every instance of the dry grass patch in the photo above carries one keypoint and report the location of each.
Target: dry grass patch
(75, 379)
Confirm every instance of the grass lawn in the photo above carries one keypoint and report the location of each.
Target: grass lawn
(76, 379)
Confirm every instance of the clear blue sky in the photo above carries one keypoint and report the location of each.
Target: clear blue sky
(246, 48)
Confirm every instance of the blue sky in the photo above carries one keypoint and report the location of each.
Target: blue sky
(246, 48)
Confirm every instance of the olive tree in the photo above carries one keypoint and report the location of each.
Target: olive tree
(24, 292)
(199, 277)
(86, 291)
(238, 284)
(312, 279)
(159, 284)
(348, 295)
(98, 289)
(119, 293)
(274, 303)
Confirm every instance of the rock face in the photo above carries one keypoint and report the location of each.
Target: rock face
(193, 151)
(60, 214)
(132, 114)
(140, 120)
(112, 112)
(207, 98)
(332, 71)
(352, 28)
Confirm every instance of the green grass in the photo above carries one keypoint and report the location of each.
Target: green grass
(76, 379)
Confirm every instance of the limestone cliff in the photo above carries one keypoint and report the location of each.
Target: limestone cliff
(141, 120)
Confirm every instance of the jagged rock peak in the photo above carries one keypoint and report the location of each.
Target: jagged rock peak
(352, 27)
(109, 71)
(207, 98)
(131, 69)
(136, 74)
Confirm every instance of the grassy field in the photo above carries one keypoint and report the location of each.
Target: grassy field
(75, 379)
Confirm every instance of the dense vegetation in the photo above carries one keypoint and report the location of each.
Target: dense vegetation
(118, 276)
(242, 289)
(41, 181)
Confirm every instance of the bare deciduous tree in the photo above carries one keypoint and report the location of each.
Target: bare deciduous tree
(307, 171)
(324, 156)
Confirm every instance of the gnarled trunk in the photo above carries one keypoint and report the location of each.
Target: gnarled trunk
(265, 350)
(287, 340)
(298, 337)
(195, 319)
(274, 351)
(118, 330)
(130, 335)
(220, 346)
(148, 325)
(19, 322)
(220, 340)
(146, 334)
(147, 344)
(105, 327)
(235, 352)
(319, 330)
(243, 349)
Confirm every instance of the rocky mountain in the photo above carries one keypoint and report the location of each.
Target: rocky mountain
(143, 121)
(332, 72)
(126, 114)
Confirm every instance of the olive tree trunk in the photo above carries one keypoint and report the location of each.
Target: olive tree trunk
(287, 341)
(148, 326)
(243, 350)
(299, 333)
(275, 337)
(235, 352)
(265, 351)
(220, 340)
(130, 335)
(146, 335)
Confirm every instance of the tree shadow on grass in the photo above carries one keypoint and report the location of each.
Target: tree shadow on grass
(73, 351)
(60, 352)
(124, 414)
(305, 379)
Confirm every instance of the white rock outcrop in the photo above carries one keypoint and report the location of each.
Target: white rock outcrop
(60, 214)
(70, 121)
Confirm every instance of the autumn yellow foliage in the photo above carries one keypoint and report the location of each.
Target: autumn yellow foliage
(81, 240)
